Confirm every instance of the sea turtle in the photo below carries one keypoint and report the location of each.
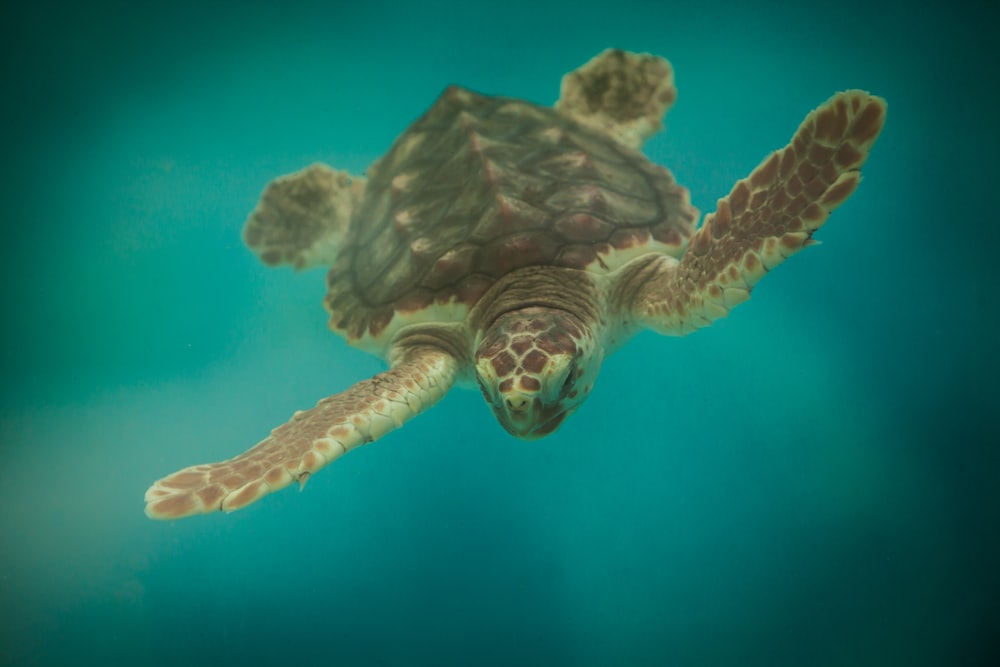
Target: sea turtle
(515, 246)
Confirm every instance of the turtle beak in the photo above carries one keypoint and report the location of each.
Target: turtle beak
(524, 416)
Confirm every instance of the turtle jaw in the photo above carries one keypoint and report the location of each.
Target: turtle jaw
(530, 420)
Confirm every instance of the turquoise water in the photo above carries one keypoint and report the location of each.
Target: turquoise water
(809, 482)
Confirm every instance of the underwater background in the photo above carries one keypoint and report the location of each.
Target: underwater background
(812, 481)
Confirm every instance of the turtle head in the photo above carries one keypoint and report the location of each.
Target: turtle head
(535, 366)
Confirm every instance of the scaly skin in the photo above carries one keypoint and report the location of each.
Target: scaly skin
(310, 440)
(532, 327)
(767, 217)
(535, 366)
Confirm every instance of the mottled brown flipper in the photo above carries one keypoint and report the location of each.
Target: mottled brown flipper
(310, 440)
(767, 218)
(619, 93)
(302, 218)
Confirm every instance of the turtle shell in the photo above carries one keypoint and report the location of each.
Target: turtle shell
(480, 186)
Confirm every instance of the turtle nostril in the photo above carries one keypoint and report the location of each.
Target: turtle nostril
(518, 402)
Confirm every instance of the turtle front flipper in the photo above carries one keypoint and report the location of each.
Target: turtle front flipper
(302, 218)
(310, 440)
(768, 217)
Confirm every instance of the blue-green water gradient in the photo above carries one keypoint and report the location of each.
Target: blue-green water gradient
(812, 481)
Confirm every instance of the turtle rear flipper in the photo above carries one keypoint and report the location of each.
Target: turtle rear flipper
(309, 440)
(302, 218)
(767, 217)
(622, 94)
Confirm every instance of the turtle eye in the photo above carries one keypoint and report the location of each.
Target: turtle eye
(482, 388)
(568, 382)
